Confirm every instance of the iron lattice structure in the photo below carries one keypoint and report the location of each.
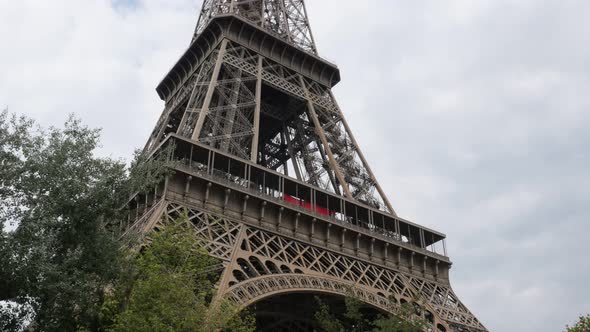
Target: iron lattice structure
(272, 179)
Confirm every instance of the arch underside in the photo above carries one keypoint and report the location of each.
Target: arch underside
(296, 312)
(261, 264)
(253, 290)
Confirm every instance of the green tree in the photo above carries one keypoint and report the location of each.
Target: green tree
(356, 318)
(327, 321)
(173, 287)
(61, 198)
(582, 325)
(405, 320)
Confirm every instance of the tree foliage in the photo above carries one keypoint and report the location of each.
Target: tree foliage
(172, 287)
(62, 266)
(327, 321)
(60, 198)
(356, 318)
(405, 320)
(582, 325)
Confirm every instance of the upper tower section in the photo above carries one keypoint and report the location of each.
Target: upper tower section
(286, 19)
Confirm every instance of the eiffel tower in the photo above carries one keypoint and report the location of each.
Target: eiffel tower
(274, 183)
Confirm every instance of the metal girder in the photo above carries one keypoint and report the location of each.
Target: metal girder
(286, 19)
(260, 264)
(225, 108)
(247, 98)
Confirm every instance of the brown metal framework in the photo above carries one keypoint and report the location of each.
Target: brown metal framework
(287, 19)
(272, 179)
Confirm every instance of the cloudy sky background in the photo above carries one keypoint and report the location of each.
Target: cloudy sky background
(474, 116)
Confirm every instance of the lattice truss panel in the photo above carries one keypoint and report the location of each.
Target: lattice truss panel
(218, 235)
(286, 19)
(388, 282)
(301, 127)
(268, 263)
(182, 111)
(229, 123)
(356, 172)
(199, 84)
(303, 137)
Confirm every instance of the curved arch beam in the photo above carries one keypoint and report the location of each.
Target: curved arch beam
(256, 289)
(253, 290)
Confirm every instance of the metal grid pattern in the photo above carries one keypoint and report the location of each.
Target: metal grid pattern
(260, 264)
(304, 131)
(271, 113)
(286, 19)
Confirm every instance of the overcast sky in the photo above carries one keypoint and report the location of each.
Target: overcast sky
(473, 115)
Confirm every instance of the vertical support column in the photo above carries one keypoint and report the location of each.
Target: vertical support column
(436, 269)
(292, 153)
(262, 210)
(314, 50)
(226, 199)
(191, 99)
(320, 132)
(207, 192)
(283, 148)
(285, 22)
(362, 157)
(205, 110)
(296, 225)
(280, 218)
(187, 186)
(254, 149)
(422, 242)
(244, 205)
(227, 272)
